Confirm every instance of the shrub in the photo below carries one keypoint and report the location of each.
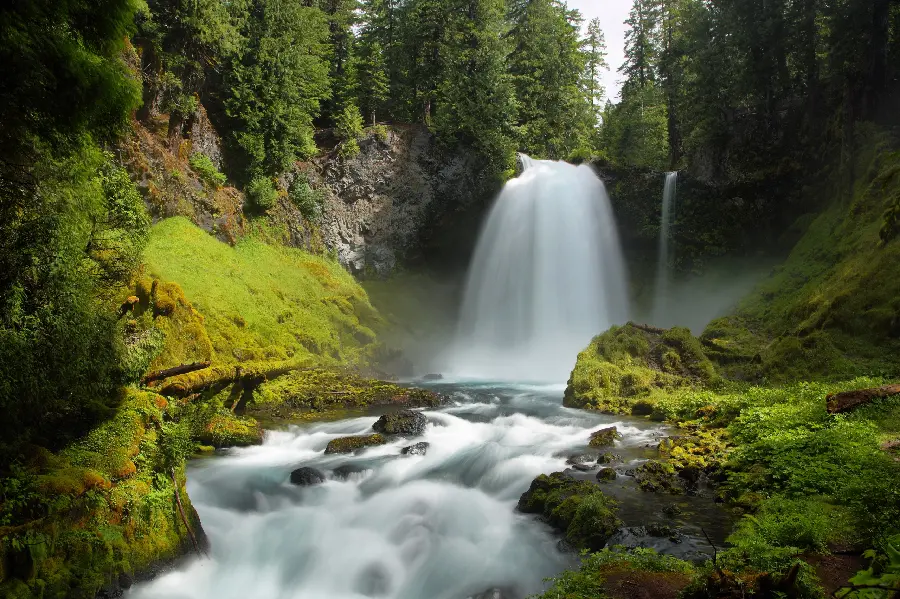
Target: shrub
(207, 171)
(261, 193)
(308, 200)
(349, 127)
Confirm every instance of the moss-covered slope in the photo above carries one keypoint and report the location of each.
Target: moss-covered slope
(262, 302)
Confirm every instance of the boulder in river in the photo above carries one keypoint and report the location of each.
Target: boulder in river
(307, 476)
(351, 444)
(433, 377)
(582, 458)
(419, 448)
(609, 458)
(606, 474)
(604, 437)
(584, 467)
(658, 477)
(578, 508)
(404, 422)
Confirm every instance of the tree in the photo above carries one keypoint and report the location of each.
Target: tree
(594, 47)
(373, 89)
(547, 66)
(640, 51)
(276, 85)
(342, 16)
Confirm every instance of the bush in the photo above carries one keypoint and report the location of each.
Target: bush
(308, 200)
(204, 167)
(349, 127)
(261, 193)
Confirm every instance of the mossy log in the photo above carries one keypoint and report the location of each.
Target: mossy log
(249, 375)
(160, 375)
(847, 401)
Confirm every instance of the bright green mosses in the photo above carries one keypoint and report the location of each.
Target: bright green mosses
(323, 390)
(578, 508)
(262, 302)
(224, 429)
(71, 522)
(624, 366)
(351, 444)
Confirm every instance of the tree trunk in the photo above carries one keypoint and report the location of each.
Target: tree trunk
(175, 371)
(847, 401)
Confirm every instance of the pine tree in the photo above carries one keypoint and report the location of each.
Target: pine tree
(594, 47)
(342, 16)
(373, 88)
(640, 51)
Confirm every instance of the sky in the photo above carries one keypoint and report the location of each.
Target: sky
(612, 15)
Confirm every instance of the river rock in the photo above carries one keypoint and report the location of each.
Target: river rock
(582, 458)
(344, 471)
(604, 437)
(584, 467)
(606, 474)
(658, 477)
(433, 377)
(306, 477)
(351, 444)
(404, 422)
(609, 458)
(419, 448)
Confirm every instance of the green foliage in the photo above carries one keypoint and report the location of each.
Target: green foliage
(881, 579)
(587, 581)
(204, 167)
(349, 128)
(261, 302)
(308, 200)
(262, 193)
(276, 84)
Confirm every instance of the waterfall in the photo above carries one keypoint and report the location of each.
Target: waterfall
(547, 276)
(663, 273)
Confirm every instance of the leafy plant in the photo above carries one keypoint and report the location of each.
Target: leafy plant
(204, 167)
(881, 580)
(308, 200)
(261, 193)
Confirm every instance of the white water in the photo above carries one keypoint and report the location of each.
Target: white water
(439, 526)
(662, 291)
(547, 276)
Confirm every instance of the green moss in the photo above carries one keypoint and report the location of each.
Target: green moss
(71, 522)
(604, 437)
(578, 508)
(261, 302)
(322, 390)
(224, 429)
(626, 365)
(351, 444)
(658, 477)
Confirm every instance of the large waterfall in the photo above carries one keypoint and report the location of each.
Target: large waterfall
(661, 292)
(547, 276)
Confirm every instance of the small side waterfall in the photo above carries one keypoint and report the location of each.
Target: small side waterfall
(663, 269)
(547, 276)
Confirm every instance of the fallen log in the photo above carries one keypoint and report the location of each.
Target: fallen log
(847, 401)
(217, 378)
(160, 375)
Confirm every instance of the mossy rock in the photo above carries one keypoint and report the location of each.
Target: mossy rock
(701, 451)
(624, 366)
(326, 389)
(404, 422)
(225, 429)
(577, 508)
(604, 437)
(606, 474)
(354, 443)
(658, 477)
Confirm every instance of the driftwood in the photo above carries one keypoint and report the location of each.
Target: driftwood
(184, 518)
(160, 375)
(846, 401)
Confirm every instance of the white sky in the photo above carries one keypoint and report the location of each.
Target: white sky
(612, 15)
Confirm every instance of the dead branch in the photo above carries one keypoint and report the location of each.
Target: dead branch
(160, 375)
(847, 401)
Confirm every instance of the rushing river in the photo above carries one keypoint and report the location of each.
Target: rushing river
(438, 526)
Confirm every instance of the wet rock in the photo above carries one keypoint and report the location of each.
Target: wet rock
(658, 477)
(419, 448)
(606, 475)
(344, 471)
(584, 467)
(609, 458)
(672, 511)
(433, 377)
(404, 422)
(578, 508)
(306, 477)
(582, 458)
(354, 443)
(604, 437)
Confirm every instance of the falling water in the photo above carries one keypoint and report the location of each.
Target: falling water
(548, 274)
(661, 294)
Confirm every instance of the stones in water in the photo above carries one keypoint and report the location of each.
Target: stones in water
(582, 458)
(354, 443)
(658, 477)
(584, 467)
(344, 471)
(577, 508)
(604, 437)
(608, 458)
(606, 474)
(404, 422)
(307, 476)
(420, 448)
(433, 377)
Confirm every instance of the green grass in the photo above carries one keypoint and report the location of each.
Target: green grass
(263, 302)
